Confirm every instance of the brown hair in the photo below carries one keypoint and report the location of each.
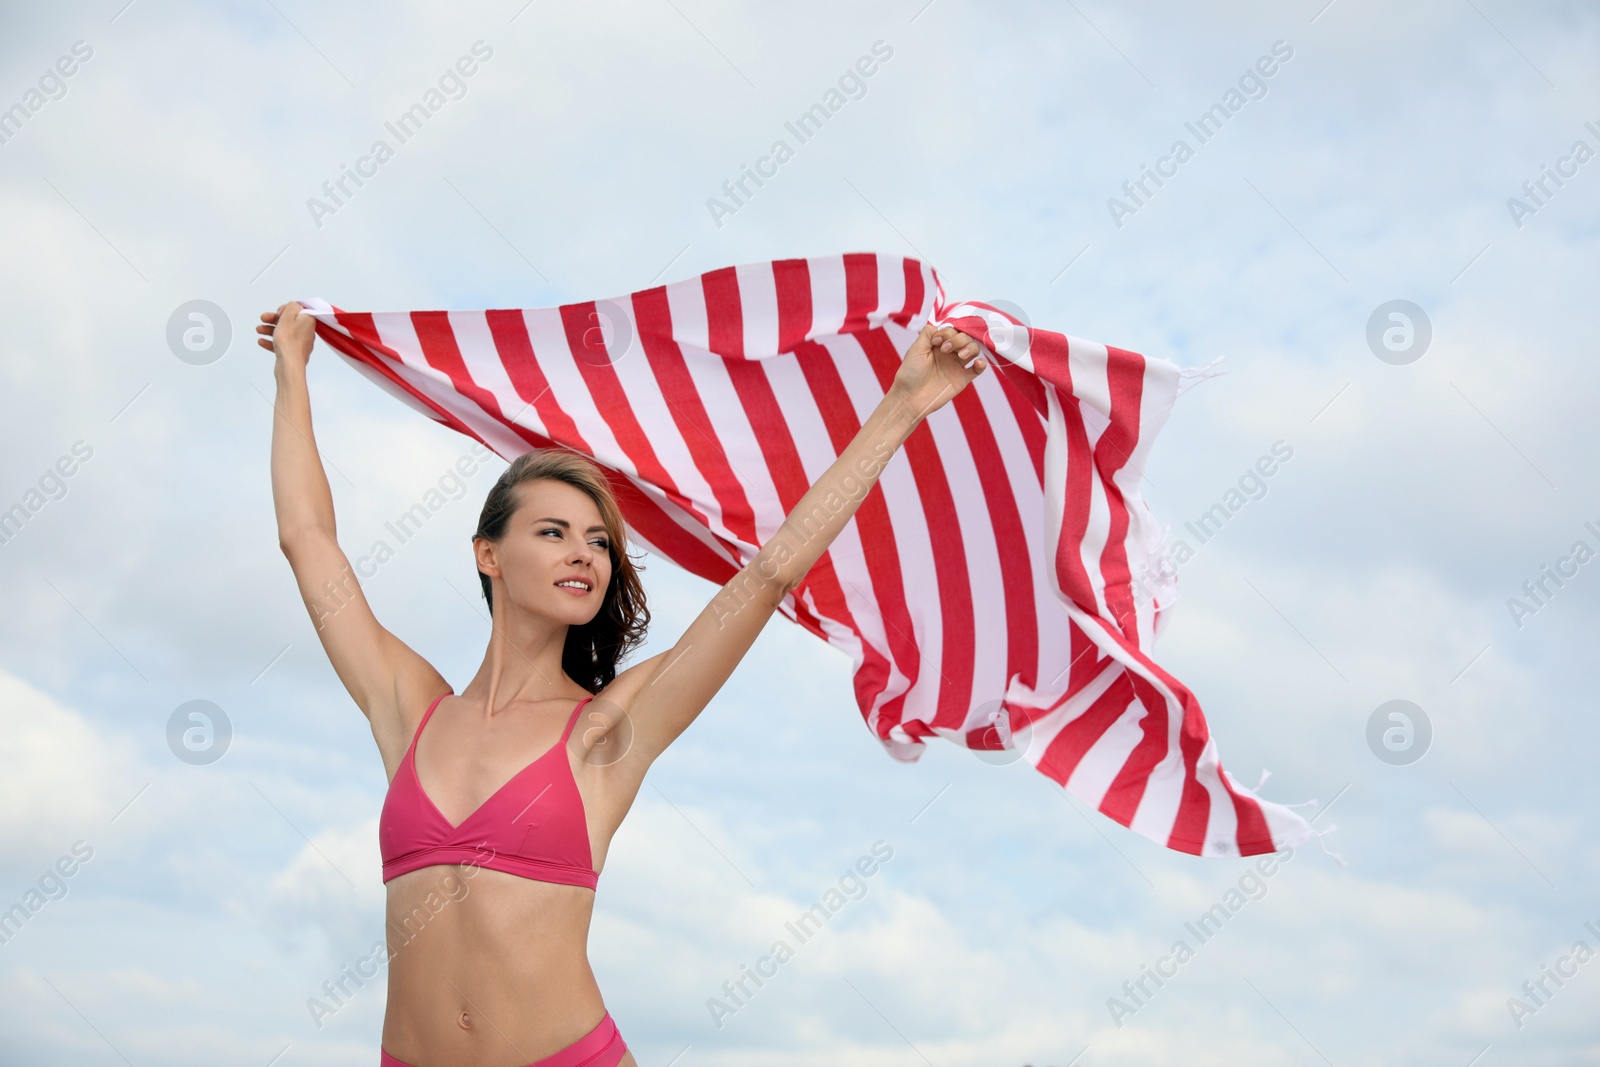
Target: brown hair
(592, 650)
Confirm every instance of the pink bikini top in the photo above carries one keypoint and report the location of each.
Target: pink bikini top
(533, 826)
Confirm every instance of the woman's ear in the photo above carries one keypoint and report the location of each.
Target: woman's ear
(483, 551)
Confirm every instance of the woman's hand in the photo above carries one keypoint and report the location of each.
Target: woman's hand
(940, 363)
(289, 332)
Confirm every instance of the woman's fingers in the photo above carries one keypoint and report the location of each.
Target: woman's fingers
(952, 339)
(269, 322)
(965, 348)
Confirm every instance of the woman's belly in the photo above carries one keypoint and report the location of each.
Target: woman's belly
(486, 969)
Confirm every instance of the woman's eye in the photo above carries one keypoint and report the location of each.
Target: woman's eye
(601, 543)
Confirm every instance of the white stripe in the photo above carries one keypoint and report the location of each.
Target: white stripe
(891, 297)
(568, 389)
(758, 307)
(488, 370)
(1157, 812)
(829, 298)
(981, 553)
(1107, 756)
(395, 331)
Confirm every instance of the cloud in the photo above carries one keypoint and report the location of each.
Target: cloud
(65, 777)
(333, 886)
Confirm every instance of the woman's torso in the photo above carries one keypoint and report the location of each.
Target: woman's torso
(486, 967)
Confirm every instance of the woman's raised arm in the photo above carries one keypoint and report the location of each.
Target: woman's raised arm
(389, 682)
(662, 695)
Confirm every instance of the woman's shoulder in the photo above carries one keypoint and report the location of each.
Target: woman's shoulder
(626, 686)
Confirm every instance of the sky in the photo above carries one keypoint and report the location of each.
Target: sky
(1440, 464)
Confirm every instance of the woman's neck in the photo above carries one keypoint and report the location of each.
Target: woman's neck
(522, 662)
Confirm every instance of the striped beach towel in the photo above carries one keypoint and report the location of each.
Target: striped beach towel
(1002, 585)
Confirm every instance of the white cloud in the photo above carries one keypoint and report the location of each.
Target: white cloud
(66, 777)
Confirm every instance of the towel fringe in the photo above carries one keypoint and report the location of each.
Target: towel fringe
(1319, 834)
(1312, 803)
(1189, 377)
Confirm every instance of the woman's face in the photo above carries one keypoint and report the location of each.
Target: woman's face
(554, 558)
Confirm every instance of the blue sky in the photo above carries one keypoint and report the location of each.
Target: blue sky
(175, 164)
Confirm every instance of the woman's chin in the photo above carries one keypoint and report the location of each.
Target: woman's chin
(577, 611)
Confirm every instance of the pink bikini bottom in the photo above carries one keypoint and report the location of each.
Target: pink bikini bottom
(601, 1047)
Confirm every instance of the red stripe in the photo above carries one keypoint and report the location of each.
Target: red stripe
(653, 312)
(509, 329)
(1071, 574)
(1253, 835)
(1127, 787)
(875, 527)
(1086, 662)
(1067, 749)
(725, 316)
(1016, 572)
(1125, 375)
(594, 363)
(1194, 801)
(911, 310)
(949, 550)
(860, 291)
(438, 342)
(1024, 392)
(362, 343)
(792, 280)
(1031, 419)
(1190, 821)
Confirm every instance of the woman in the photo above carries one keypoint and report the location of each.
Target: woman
(499, 812)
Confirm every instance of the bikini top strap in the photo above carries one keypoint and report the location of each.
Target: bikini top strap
(574, 719)
(427, 715)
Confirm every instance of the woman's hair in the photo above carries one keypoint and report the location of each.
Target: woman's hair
(593, 649)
